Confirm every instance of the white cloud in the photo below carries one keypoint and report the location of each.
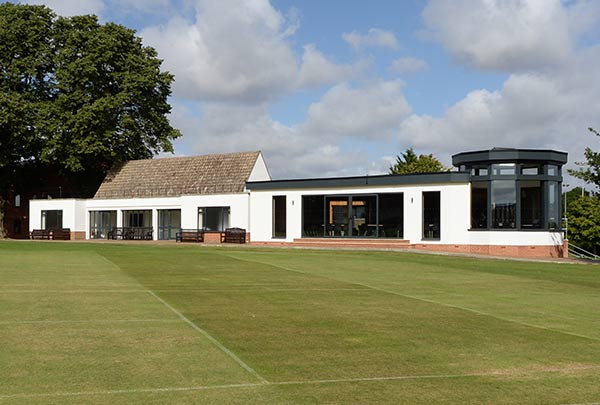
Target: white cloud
(239, 51)
(68, 8)
(290, 150)
(316, 69)
(375, 37)
(532, 110)
(505, 35)
(230, 51)
(321, 146)
(371, 111)
(408, 64)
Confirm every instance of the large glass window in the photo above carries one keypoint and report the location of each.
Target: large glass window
(102, 222)
(504, 204)
(169, 223)
(279, 216)
(479, 205)
(52, 219)
(137, 218)
(213, 218)
(365, 216)
(313, 216)
(531, 204)
(520, 192)
(553, 205)
(337, 216)
(391, 215)
(431, 215)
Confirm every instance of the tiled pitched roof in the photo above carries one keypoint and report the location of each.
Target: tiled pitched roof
(171, 177)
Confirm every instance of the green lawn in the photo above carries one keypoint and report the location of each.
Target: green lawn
(134, 323)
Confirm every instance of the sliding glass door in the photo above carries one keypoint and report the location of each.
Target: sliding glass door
(365, 216)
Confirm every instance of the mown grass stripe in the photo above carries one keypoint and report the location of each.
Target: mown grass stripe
(212, 339)
(282, 383)
(102, 321)
(475, 311)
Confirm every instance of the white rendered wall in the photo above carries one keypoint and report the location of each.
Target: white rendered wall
(516, 238)
(259, 171)
(73, 212)
(454, 215)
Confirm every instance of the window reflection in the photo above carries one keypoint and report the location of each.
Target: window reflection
(504, 204)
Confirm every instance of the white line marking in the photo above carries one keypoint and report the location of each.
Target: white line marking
(212, 339)
(306, 382)
(249, 289)
(50, 322)
(130, 391)
(70, 291)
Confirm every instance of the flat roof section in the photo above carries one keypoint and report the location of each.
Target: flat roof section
(362, 181)
(510, 155)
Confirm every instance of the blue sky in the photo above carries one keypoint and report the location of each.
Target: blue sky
(336, 87)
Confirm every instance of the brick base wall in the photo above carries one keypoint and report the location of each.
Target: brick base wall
(77, 235)
(216, 237)
(538, 252)
(498, 250)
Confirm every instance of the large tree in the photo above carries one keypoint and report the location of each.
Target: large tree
(583, 213)
(78, 95)
(589, 170)
(76, 98)
(409, 162)
(583, 216)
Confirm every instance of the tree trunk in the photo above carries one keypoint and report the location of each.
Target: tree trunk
(2, 231)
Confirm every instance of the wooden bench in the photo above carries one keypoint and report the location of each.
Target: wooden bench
(189, 235)
(235, 235)
(61, 234)
(39, 234)
(131, 233)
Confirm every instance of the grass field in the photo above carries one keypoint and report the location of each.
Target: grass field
(134, 323)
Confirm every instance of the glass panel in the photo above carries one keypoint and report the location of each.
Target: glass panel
(137, 218)
(214, 218)
(504, 204)
(52, 219)
(552, 170)
(530, 169)
(531, 204)
(364, 217)
(553, 205)
(479, 205)
(101, 222)
(504, 169)
(431, 215)
(337, 216)
(169, 223)
(200, 218)
(279, 216)
(313, 216)
(479, 171)
(391, 215)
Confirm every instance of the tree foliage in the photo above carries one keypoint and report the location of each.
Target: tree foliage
(409, 162)
(583, 216)
(76, 94)
(583, 212)
(589, 170)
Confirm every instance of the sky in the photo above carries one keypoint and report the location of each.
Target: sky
(341, 87)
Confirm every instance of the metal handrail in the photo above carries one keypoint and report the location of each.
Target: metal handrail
(581, 253)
